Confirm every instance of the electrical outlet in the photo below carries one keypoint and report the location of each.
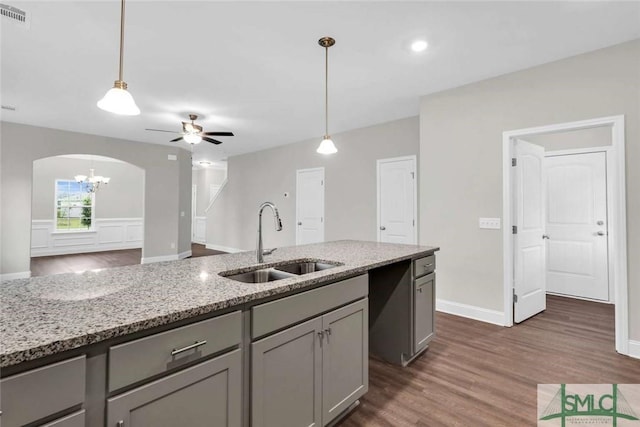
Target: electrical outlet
(489, 223)
(173, 245)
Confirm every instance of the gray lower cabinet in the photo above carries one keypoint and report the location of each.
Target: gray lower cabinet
(207, 394)
(424, 309)
(73, 420)
(308, 374)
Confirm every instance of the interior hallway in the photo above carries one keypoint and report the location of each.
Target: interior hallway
(478, 374)
(47, 265)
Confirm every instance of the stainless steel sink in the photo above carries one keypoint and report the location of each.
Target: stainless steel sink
(259, 276)
(304, 267)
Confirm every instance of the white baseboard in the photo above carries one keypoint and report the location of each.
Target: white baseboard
(223, 248)
(162, 258)
(12, 276)
(634, 349)
(185, 254)
(470, 311)
(198, 241)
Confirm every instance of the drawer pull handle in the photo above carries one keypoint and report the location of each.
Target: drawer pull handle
(189, 347)
(425, 266)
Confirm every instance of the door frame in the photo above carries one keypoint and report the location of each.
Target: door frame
(298, 171)
(616, 210)
(379, 162)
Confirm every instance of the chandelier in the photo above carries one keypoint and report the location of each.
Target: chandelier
(93, 182)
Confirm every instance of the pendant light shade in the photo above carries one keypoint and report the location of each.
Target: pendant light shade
(192, 138)
(326, 146)
(118, 100)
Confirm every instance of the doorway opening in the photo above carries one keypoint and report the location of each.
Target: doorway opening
(564, 199)
(87, 212)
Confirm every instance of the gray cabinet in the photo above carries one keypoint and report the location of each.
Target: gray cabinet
(207, 394)
(345, 358)
(73, 420)
(308, 374)
(424, 309)
(43, 392)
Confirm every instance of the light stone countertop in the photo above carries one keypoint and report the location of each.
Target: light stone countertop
(42, 316)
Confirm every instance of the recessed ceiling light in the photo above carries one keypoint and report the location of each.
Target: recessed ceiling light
(419, 45)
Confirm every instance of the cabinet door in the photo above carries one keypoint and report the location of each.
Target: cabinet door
(286, 380)
(208, 394)
(424, 311)
(345, 358)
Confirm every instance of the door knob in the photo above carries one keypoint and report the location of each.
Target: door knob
(299, 223)
(545, 236)
(382, 227)
(600, 222)
(600, 233)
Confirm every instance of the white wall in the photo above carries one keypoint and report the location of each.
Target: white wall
(166, 231)
(461, 161)
(350, 186)
(203, 179)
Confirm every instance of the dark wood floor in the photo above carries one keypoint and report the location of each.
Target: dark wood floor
(47, 265)
(477, 374)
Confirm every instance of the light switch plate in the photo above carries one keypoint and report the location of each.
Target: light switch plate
(489, 223)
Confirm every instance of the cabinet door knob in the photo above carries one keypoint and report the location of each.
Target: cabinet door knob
(300, 223)
(382, 227)
(600, 233)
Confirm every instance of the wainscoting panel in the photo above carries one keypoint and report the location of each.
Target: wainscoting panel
(109, 234)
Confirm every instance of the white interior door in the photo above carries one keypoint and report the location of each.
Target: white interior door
(397, 200)
(309, 206)
(576, 223)
(529, 257)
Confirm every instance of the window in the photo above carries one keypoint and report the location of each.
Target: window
(74, 206)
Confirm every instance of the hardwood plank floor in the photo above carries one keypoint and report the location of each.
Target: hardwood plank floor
(477, 374)
(47, 265)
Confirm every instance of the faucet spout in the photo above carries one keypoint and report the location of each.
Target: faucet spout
(278, 223)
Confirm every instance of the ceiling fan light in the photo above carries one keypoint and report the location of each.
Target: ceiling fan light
(119, 101)
(327, 146)
(192, 138)
(106, 179)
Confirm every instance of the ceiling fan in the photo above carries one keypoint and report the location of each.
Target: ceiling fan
(193, 134)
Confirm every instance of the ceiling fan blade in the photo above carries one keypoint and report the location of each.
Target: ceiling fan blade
(177, 139)
(204, 138)
(218, 133)
(162, 130)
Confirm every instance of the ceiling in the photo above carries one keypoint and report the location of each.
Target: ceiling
(255, 68)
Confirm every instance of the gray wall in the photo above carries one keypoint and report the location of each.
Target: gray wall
(202, 178)
(123, 197)
(166, 182)
(461, 161)
(350, 186)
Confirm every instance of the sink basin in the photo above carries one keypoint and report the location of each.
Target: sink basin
(304, 267)
(260, 276)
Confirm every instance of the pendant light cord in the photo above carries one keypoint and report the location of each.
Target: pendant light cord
(121, 39)
(326, 91)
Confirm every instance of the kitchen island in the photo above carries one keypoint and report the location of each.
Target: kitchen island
(111, 328)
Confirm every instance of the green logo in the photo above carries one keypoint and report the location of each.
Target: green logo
(600, 408)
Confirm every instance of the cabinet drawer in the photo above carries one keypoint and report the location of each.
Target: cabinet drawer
(74, 420)
(274, 315)
(136, 360)
(424, 265)
(42, 392)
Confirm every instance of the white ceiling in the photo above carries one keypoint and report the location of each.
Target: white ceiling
(255, 67)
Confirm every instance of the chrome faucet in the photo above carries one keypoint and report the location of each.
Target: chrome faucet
(260, 251)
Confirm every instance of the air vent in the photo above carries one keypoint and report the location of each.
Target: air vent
(15, 15)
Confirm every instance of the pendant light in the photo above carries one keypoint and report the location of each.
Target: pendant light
(118, 100)
(326, 146)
